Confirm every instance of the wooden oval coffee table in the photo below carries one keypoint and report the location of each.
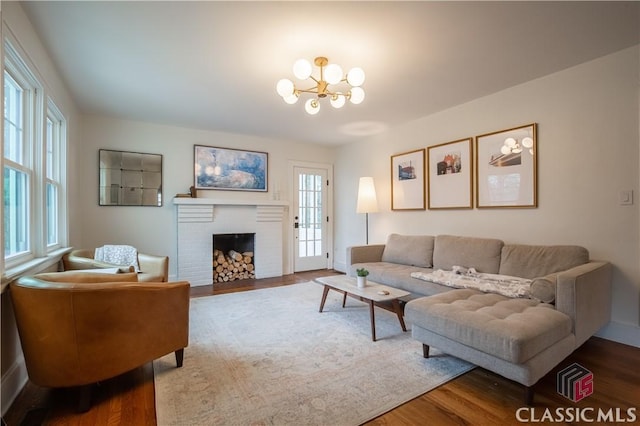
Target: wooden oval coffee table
(373, 294)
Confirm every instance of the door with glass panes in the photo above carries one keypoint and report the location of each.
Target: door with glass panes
(310, 218)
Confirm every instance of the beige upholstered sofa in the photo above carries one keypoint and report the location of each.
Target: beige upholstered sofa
(78, 328)
(521, 338)
(152, 268)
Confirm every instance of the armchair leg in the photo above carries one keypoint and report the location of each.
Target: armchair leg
(179, 357)
(425, 350)
(84, 400)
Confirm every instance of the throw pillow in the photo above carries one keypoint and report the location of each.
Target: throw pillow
(412, 250)
(544, 289)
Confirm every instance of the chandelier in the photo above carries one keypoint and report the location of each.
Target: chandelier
(347, 88)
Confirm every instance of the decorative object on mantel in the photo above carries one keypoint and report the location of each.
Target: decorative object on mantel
(407, 181)
(191, 194)
(330, 74)
(229, 169)
(506, 173)
(367, 200)
(450, 174)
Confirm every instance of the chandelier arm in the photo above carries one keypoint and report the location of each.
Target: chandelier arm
(314, 90)
(309, 90)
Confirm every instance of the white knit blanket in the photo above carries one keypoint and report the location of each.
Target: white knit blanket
(121, 255)
(469, 278)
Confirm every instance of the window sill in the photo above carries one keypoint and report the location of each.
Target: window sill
(32, 266)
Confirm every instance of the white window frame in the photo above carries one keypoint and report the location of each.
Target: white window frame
(19, 73)
(56, 176)
(36, 113)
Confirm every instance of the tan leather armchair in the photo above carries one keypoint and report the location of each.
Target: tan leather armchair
(152, 268)
(77, 329)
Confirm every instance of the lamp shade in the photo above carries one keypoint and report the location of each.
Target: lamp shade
(367, 200)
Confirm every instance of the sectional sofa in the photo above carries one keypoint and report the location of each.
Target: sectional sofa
(517, 310)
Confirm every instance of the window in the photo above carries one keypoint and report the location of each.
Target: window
(34, 143)
(54, 137)
(17, 171)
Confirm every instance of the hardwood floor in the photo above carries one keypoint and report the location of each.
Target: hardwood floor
(478, 397)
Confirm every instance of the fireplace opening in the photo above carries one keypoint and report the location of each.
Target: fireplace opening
(233, 257)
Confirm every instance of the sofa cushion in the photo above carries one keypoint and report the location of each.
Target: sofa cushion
(511, 329)
(544, 288)
(483, 254)
(414, 250)
(399, 276)
(87, 277)
(529, 261)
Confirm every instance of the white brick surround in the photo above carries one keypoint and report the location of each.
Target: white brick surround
(199, 218)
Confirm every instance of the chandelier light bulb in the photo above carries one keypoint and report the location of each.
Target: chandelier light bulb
(527, 142)
(510, 142)
(291, 99)
(333, 74)
(357, 95)
(302, 69)
(312, 106)
(505, 150)
(355, 77)
(284, 87)
(337, 101)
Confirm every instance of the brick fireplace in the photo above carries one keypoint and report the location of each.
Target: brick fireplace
(200, 218)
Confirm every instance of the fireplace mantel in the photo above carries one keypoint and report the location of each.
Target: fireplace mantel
(227, 202)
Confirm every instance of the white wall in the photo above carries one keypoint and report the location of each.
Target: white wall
(152, 229)
(588, 140)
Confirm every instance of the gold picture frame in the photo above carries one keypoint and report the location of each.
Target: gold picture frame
(506, 168)
(408, 180)
(450, 171)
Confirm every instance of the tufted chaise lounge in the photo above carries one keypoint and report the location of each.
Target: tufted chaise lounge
(521, 339)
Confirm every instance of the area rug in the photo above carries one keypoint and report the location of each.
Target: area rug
(268, 357)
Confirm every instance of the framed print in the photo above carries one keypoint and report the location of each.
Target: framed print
(449, 167)
(407, 181)
(229, 169)
(506, 168)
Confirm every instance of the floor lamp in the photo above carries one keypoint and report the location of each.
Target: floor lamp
(367, 200)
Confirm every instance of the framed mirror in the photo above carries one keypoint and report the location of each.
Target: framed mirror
(130, 178)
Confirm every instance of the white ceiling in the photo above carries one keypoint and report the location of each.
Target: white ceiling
(214, 65)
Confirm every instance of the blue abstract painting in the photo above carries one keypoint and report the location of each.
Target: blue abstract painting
(229, 169)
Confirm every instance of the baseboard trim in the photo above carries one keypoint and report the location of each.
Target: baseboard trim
(12, 383)
(340, 266)
(621, 333)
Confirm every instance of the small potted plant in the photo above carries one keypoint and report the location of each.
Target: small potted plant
(362, 277)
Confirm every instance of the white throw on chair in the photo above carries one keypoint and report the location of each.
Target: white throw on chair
(121, 255)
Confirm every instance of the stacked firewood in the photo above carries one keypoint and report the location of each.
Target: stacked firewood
(232, 266)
